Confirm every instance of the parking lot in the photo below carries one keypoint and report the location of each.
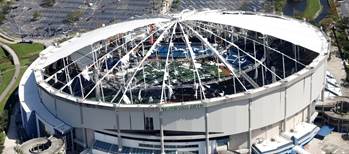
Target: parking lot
(52, 21)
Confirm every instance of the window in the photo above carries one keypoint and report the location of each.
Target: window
(148, 123)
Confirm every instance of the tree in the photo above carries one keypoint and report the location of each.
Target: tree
(36, 16)
(73, 16)
(47, 3)
(175, 3)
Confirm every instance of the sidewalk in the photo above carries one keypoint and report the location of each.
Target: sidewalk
(17, 64)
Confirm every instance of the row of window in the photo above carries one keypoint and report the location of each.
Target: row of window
(168, 146)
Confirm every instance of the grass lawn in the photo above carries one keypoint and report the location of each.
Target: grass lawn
(313, 6)
(6, 70)
(27, 52)
(3, 102)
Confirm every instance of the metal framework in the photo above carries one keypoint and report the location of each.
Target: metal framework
(135, 56)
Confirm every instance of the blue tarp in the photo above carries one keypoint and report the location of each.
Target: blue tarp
(324, 131)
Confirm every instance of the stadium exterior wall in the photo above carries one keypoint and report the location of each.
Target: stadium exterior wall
(244, 117)
(227, 117)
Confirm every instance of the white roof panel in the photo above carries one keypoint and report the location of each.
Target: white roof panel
(65, 49)
(298, 32)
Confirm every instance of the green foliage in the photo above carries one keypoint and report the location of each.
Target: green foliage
(36, 16)
(18, 149)
(6, 70)
(3, 127)
(3, 120)
(175, 3)
(279, 5)
(73, 16)
(331, 18)
(333, 11)
(27, 52)
(326, 22)
(313, 7)
(2, 140)
(47, 3)
(4, 9)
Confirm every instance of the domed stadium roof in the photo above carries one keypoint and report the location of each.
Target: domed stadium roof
(192, 56)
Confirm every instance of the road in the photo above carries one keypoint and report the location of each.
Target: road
(17, 70)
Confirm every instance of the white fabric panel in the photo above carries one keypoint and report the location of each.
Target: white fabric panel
(184, 120)
(295, 98)
(124, 120)
(283, 28)
(99, 119)
(137, 120)
(267, 110)
(69, 113)
(318, 81)
(230, 118)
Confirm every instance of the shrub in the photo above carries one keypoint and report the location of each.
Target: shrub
(47, 3)
(36, 16)
(3, 120)
(73, 16)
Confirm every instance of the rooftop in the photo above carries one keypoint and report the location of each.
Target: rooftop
(191, 56)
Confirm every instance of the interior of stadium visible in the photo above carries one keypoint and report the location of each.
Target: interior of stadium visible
(175, 62)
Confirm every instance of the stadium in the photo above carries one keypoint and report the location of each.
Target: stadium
(194, 82)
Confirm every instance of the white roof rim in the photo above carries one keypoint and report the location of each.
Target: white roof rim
(291, 30)
(298, 32)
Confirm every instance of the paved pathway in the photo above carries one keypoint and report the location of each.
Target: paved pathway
(17, 71)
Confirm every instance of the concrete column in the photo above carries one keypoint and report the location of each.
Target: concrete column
(250, 126)
(311, 102)
(85, 137)
(208, 151)
(295, 51)
(323, 94)
(285, 110)
(162, 139)
(119, 132)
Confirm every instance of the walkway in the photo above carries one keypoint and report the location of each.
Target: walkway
(17, 71)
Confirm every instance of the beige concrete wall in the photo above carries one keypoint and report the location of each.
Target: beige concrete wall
(238, 141)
